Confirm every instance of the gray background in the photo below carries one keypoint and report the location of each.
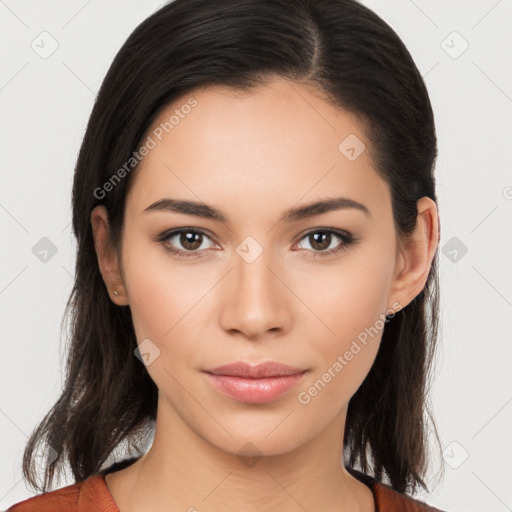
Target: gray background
(45, 103)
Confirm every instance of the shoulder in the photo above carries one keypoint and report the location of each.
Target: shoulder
(52, 500)
(388, 499)
(78, 497)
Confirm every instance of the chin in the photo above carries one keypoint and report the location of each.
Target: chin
(259, 442)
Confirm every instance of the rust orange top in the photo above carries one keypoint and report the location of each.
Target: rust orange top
(93, 495)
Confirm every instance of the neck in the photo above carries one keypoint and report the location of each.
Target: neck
(183, 471)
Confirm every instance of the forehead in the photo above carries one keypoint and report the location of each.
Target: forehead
(279, 144)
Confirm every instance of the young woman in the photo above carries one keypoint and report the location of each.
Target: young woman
(256, 279)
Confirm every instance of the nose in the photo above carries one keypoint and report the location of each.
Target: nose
(256, 300)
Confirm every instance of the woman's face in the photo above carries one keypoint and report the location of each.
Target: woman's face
(258, 286)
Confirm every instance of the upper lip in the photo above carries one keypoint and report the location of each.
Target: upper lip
(255, 371)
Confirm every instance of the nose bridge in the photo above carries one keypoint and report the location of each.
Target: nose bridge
(256, 301)
(254, 281)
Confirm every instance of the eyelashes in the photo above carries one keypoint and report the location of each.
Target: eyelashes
(198, 235)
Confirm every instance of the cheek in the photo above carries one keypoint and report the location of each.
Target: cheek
(351, 301)
(350, 297)
(165, 298)
(350, 306)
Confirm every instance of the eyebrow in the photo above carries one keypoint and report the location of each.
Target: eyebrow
(203, 210)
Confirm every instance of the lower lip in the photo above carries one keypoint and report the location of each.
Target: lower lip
(255, 391)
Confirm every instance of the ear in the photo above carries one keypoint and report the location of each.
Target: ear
(415, 255)
(110, 267)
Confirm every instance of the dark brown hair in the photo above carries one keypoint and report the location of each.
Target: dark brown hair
(360, 65)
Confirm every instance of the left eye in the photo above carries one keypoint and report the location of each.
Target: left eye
(320, 241)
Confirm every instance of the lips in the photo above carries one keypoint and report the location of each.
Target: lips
(255, 384)
(255, 371)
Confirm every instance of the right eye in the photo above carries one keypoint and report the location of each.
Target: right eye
(192, 241)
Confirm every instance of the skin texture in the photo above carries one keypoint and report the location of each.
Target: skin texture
(254, 156)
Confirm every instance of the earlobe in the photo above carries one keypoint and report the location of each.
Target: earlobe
(416, 254)
(107, 257)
